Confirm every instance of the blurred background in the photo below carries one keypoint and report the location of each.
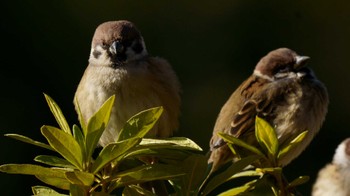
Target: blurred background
(212, 45)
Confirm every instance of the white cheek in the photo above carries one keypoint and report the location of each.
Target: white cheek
(102, 59)
(301, 74)
(286, 75)
(259, 74)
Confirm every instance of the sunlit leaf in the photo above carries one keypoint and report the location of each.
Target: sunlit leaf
(296, 141)
(159, 151)
(233, 150)
(233, 140)
(45, 191)
(56, 111)
(132, 190)
(29, 169)
(113, 151)
(266, 136)
(239, 190)
(96, 125)
(80, 178)
(148, 173)
(246, 173)
(53, 161)
(298, 181)
(64, 144)
(140, 124)
(228, 173)
(173, 142)
(270, 170)
(59, 182)
(79, 137)
(50, 176)
(80, 114)
(29, 141)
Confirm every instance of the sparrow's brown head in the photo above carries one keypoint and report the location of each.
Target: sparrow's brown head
(281, 63)
(347, 147)
(115, 43)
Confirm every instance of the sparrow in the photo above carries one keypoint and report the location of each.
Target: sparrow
(334, 178)
(120, 65)
(281, 90)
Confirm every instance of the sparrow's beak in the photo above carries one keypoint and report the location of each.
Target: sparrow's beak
(301, 61)
(116, 47)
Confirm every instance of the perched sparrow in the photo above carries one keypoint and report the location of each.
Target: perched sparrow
(334, 178)
(120, 65)
(282, 91)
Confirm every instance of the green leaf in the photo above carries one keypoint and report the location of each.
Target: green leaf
(233, 140)
(266, 137)
(132, 190)
(270, 170)
(56, 111)
(53, 161)
(173, 142)
(59, 182)
(140, 124)
(113, 151)
(96, 125)
(29, 141)
(195, 167)
(29, 169)
(299, 181)
(147, 173)
(45, 191)
(51, 176)
(64, 144)
(80, 178)
(80, 115)
(291, 145)
(247, 173)
(159, 151)
(76, 190)
(228, 173)
(239, 190)
(79, 137)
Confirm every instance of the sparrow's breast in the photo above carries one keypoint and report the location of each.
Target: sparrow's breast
(303, 107)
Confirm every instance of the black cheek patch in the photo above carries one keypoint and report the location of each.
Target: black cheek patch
(137, 47)
(96, 54)
(121, 57)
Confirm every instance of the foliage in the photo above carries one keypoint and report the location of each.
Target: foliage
(265, 163)
(79, 167)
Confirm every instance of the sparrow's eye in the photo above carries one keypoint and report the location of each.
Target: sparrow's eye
(284, 70)
(117, 47)
(104, 45)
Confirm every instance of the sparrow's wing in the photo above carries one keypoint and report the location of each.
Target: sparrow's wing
(166, 86)
(237, 117)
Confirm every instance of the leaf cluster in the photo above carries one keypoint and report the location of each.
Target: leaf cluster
(79, 167)
(122, 164)
(263, 163)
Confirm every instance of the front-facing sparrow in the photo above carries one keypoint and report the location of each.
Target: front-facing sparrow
(120, 65)
(281, 90)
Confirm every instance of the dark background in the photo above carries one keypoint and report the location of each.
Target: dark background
(212, 45)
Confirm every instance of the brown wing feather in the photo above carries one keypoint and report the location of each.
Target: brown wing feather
(238, 117)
